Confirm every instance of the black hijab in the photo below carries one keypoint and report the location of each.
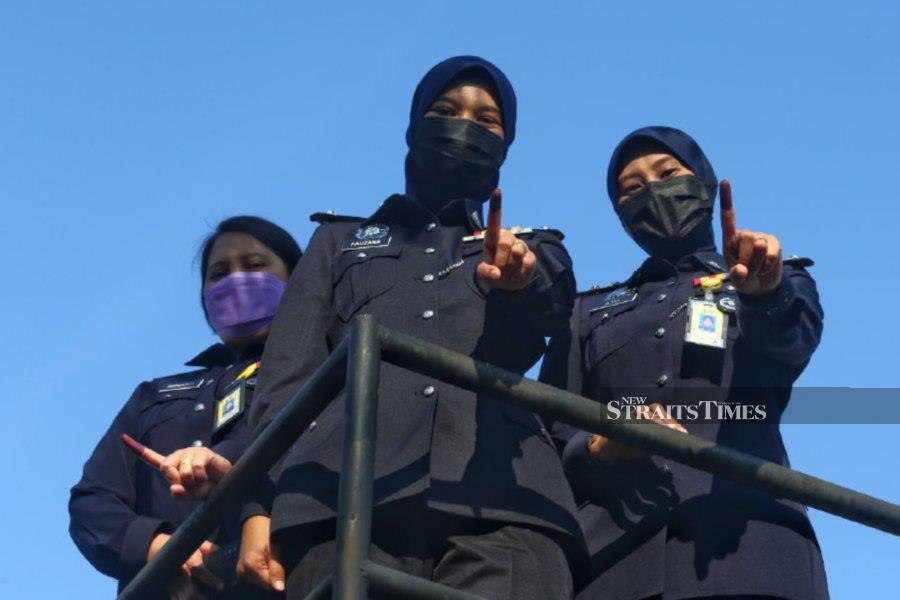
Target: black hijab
(678, 142)
(442, 74)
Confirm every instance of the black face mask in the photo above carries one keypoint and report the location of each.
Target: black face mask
(451, 159)
(671, 218)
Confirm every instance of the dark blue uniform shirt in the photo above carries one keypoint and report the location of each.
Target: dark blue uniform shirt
(121, 503)
(471, 456)
(658, 527)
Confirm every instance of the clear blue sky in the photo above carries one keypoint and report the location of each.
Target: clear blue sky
(127, 129)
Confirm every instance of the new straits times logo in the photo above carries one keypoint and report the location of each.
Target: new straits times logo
(636, 408)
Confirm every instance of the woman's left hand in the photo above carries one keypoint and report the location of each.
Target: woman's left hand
(193, 472)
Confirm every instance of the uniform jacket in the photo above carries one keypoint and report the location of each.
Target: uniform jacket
(473, 456)
(121, 503)
(658, 527)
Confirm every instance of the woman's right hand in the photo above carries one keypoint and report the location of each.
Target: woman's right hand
(603, 449)
(257, 560)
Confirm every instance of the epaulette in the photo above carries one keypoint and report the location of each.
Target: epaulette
(330, 216)
(799, 262)
(518, 231)
(601, 288)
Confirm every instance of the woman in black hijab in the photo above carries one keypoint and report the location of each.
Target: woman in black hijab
(468, 492)
(691, 337)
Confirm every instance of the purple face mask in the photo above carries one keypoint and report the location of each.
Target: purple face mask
(241, 304)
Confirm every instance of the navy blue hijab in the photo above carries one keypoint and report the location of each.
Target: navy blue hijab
(678, 142)
(439, 77)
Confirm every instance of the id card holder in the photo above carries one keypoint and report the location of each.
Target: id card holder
(231, 405)
(706, 324)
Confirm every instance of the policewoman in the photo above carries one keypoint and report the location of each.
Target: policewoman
(123, 511)
(468, 492)
(700, 341)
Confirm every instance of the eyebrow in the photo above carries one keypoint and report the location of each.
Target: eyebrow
(660, 161)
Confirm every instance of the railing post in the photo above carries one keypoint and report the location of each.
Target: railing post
(354, 517)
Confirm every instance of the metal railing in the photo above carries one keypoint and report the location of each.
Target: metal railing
(355, 363)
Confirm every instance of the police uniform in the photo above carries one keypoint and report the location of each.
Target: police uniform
(121, 503)
(449, 450)
(656, 528)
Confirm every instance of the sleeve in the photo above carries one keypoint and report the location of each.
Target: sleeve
(102, 518)
(234, 441)
(297, 345)
(785, 324)
(545, 304)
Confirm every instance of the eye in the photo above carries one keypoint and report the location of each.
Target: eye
(632, 189)
(216, 274)
(488, 120)
(442, 109)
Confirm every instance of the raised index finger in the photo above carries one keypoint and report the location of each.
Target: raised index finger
(152, 458)
(729, 223)
(492, 234)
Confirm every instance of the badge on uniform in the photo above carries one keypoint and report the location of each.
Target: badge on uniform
(231, 405)
(706, 324)
(373, 235)
(619, 296)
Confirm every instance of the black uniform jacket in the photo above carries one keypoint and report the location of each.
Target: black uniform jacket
(657, 527)
(415, 272)
(121, 503)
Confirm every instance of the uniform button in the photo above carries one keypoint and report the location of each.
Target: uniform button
(671, 283)
(312, 426)
(427, 314)
(431, 226)
(660, 331)
(429, 250)
(661, 297)
(199, 406)
(361, 255)
(662, 379)
(428, 278)
(197, 443)
(604, 317)
(667, 468)
(428, 391)
(730, 288)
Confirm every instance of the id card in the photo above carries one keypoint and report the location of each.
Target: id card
(706, 324)
(230, 406)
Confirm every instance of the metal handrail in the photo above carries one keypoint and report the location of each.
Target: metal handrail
(357, 361)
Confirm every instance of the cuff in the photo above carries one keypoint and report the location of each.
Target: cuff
(254, 509)
(137, 542)
(230, 449)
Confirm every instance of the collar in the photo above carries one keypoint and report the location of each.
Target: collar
(220, 355)
(405, 209)
(653, 269)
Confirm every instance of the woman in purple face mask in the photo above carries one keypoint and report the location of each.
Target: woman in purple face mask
(193, 424)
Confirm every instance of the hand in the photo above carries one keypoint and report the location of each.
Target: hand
(193, 565)
(194, 472)
(754, 257)
(510, 262)
(257, 560)
(606, 450)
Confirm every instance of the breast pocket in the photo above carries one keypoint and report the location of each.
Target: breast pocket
(360, 277)
(612, 329)
(472, 253)
(171, 421)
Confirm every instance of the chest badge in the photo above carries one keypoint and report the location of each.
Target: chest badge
(619, 296)
(373, 235)
(727, 304)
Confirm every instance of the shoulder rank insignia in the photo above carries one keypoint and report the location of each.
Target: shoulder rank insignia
(331, 217)
(372, 235)
(515, 230)
(799, 261)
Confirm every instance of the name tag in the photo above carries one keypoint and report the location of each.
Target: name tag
(231, 405)
(368, 236)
